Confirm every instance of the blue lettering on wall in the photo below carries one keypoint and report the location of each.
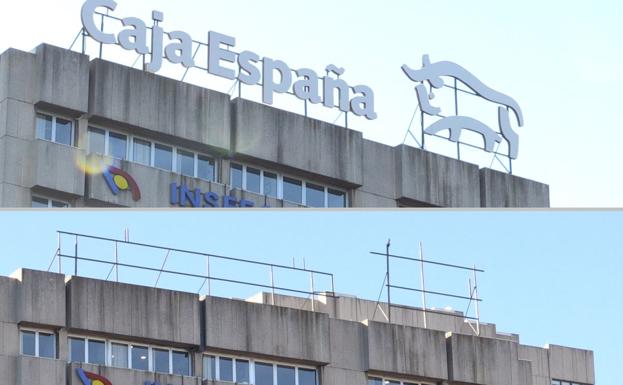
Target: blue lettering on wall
(182, 196)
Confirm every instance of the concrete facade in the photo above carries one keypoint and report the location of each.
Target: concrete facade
(330, 340)
(143, 106)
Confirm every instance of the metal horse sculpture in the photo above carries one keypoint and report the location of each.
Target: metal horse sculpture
(432, 73)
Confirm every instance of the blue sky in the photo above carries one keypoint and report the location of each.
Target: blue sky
(552, 277)
(560, 60)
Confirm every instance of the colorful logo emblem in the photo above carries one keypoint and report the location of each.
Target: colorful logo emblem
(89, 378)
(119, 180)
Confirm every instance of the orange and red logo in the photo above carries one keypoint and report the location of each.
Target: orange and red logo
(119, 180)
(89, 378)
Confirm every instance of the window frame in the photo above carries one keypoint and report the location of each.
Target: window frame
(385, 380)
(54, 116)
(50, 201)
(251, 362)
(38, 331)
(280, 185)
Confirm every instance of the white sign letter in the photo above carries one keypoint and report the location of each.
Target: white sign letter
(87, 13)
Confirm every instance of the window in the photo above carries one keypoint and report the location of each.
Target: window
(185, 163)
(118, 146)
(123, 355)
(38, 343)
(39, 202)
(248, 371)
(142, 152)
(292, 190)
(386, 381)
(336, 198)
(253, 180)
(205, 168)
(561, 382)
(235, 176)
(96, 141)
(163, 157)
(54, 129)
(270, 184)
(314, 195)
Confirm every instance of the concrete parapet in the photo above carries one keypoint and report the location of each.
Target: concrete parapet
(162, 105)
(133, 311)
(379, 170)
(539, 361)
(349, 345)
(291, 140)
(498, 189)
(241, 326)
(40, 298)
(571, 364)
(57, 167)
(331, 375)
(129, 376)
(33, 370)
(428, 179)
(8, 288)
(405, 350)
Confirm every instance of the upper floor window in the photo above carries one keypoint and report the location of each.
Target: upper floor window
(38, 343)
(249, 371)
(55, 129)
(387, 381)
(124, 147)
(560, 382)
(131, 356)
(39, 202)
(285, 187)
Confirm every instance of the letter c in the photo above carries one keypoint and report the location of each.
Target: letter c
(87, 13)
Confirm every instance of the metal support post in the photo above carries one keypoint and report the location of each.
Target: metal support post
(313, 295)
(422, 285)
(59, 252)
(456, 112)
(389, 300)
(76, 257)
(116, 261)
(477, 306)
(209, 280)
(272, 285)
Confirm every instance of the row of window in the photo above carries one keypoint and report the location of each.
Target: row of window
(149, 153)
(248, 371)
(284, 187)
(560, 382)
(386, 381)
(40, 202)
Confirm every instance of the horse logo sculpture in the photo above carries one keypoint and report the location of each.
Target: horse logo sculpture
(432, 73)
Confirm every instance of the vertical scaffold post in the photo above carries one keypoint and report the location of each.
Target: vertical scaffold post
(58, 252)
(76, 257)
(209, 280)
(101, 29)
(272, 285)
(422, 284)
(477, 306)
(389, 298)
(456, 112)
(84, 41)
(116, 261)
(422, 126)
(313, 295)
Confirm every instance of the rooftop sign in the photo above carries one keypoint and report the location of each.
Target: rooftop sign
(274, 76)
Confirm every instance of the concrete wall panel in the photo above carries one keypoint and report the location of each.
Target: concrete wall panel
(8, 288)
(133, 311)
(436, 180)
(263, 329)
(58, 167)
(498, 189)
(379, 170)
(292, 140)
(41, 298)
(331, 375)
(407, 350)
(40, 371)
(571, 364)
(127, 376)
(17, 119)
(159, 104)
(8, 370)
(539, 360)
(16, 75)
(349, 345)
(9, 339)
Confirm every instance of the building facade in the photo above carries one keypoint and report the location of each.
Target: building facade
(70, 330)
(91, 133)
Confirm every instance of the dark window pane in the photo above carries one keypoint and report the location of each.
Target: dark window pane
(39, 202)
(270, 184)
(57, 204)
(263, 374)
(28, 343)
(97, 141)
(375, 381)
(390, 382)
(185, 163)
(142, 152)
(181, 363)
(253, 180)
(307, 376)
(209, 368)
(119, 355)
(314, 195)
(242, 372)
(97, 352)
(47, 345)
(336, 198)
(285, 375)
(235, 176)
(292, 190)
(163, 157)
(161, 360)
(117, 146)
(44, 127)
(63, 131)
(226, 369)
(76, 349)
(139, 358)
(205, 168)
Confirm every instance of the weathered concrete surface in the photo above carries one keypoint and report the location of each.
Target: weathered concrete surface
(407, 350)
(498, 189)
(435, 180)
(17, 119)
(571, 364)
(40, 298)
(525, 373)
(119, 376)
(17, 80)
(32, 370)
(8, 369)
(379, 171)
(331, 375)
(349, 345)
(57, 167)
(263, 329)
(481, 360)
(161, 105)
(295, 141)
(9, 339)
(539, 361)
(8, 288)
(135, 311)
(12, 195)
